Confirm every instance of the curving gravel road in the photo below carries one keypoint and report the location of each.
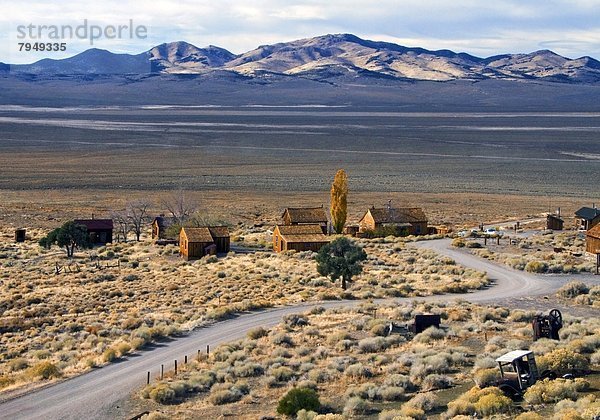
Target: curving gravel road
(102, 393)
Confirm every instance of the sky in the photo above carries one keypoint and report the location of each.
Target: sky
(479, 27)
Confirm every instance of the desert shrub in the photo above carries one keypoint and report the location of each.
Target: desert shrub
(223, 396)
(44, 370)
(430, 334)
(372, 345)
(155, 415)
(248, 370)
(486, 377)
(425, 402)
(458, 243)
(547, 391)
(282, 373)
(435, 381)
(17, 364)
(295, 320)
(392, 393)
(473, 244)
(399, 380)
(109, 355)
(476, 401)
(256, 333)
(390, 415)
(358, 370)
(122, 349)
(536, 267)
(563, 361)
(356, 406)
(282, 339)
(162, 394)
(573, 289)
(298, 399)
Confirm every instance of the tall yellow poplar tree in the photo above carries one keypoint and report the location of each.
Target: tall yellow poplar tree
(339, 200)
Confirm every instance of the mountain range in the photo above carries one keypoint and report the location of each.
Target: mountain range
(323, 58)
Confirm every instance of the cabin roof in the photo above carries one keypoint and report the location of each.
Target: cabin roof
(594, 232)
(95, 224)
(398, 215)
(198, 234)
(587, 213)
(306, 214)
(555, 217)
(302, 233)
(219, 231)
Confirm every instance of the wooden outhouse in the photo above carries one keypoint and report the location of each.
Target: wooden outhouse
(20, 235)
(220, 235)
(554, 222)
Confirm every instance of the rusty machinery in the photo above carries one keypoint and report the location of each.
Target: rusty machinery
(547, 326)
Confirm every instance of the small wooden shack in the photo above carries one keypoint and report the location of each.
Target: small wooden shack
(20, 235)
(160, 224)
(220, 235)
(592, 244)
(404, 220)
(587, 217)
(100, 230)
(592, 240)
(554, 222)
(305, 216)
(195, 243)
(298, 238)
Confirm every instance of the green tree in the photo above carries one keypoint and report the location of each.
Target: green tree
(298, 399)
(341, 259)
(339, 200)
(70, 236)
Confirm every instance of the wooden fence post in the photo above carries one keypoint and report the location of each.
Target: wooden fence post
(207, 350)
(162, 372)
(175, 367)
(148, 380)
(185, 359)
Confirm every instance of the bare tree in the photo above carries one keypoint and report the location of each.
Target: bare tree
(180, 206)
(137, 215)
(122, 224)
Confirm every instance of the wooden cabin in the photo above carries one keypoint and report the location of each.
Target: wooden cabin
(587, 217)
(20, 235)
(298, 238)
(404, 220)
(160, 224)
(592, 240)
(220, 235)
(100, 230)
(195, 243)
(305, 216)
(554, 222)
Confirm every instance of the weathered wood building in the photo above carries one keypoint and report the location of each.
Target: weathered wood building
(554, 222)
(20, 235)
(298, 238)
(587, 217)
(196, 242)
(220, 235)
(100, 230)
(305, 216)
(592, 240)
(160, 224)
(404, 220)
(592, 244)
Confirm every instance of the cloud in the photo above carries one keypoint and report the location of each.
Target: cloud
(474, 26)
